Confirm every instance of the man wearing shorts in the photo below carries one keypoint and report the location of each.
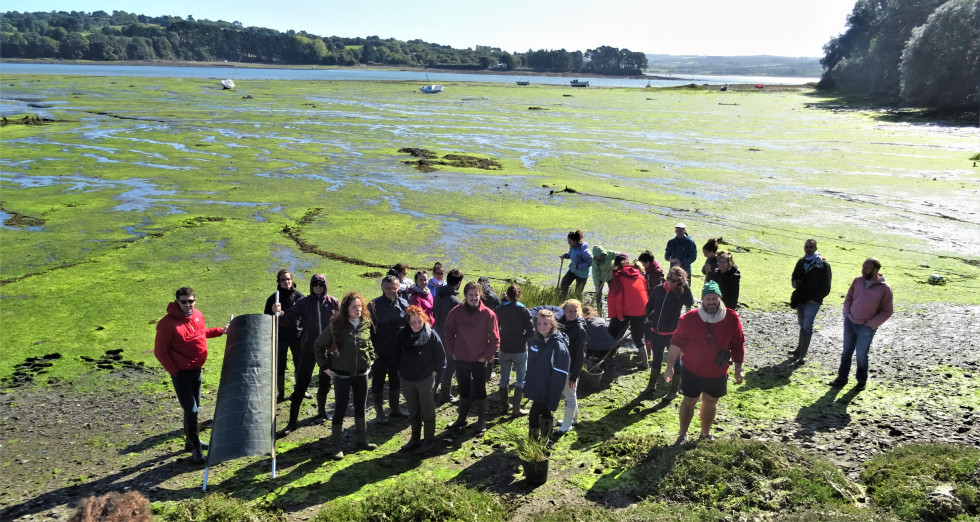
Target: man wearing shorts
(707, 340)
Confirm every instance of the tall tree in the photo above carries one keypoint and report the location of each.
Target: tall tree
(941, 63)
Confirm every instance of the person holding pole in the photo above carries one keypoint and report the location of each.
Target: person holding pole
(579, 264)
(286, 296)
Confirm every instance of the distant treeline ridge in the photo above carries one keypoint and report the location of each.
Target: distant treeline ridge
(126, 36)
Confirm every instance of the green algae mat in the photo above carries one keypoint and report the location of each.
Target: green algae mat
(119, 190)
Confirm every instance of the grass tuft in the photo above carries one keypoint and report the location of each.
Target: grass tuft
(214, 507)
(418, 500)
(926, 481)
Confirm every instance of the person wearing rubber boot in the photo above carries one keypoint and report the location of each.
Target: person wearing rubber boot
(421, 357)
(387, 316)
(344, 349)
(811, 284)
(286, 294)
(312, 313)
(472, 338)
(181, 346)
(667, 301)
(516, 328)
(573, 324)
(707, 341)
(547, 374)
(867, 305)
(443, 303)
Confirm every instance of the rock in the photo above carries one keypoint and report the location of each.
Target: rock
(943, 502)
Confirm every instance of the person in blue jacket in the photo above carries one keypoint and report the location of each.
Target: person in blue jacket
(681, 250)
(547, 371)
(579, 266)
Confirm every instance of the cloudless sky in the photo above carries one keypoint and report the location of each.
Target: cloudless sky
(698, 27)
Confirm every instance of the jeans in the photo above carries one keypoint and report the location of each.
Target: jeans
(342, 388)
(187, 384)
(519, 362)
(472, 379)
(571, 406)
(856, 337)
(805, 314)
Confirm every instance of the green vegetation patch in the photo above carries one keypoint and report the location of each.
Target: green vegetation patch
(926, 481)
(423, 499)
(214, 507)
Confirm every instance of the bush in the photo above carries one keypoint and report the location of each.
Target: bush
(740, 475)
(926, 481)
(215, 507)
(418, 500)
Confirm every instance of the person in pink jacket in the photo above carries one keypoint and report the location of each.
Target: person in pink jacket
(181, 346)
(867, 306)
(471, 339)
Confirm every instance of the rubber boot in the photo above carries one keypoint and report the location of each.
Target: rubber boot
(321, 406)
(570, 418)
(337, 439)
(534, 433)
(379, 409)
(803, 347)
(644, 357)
(188, 445)
(481, 415)
(280, 391)
(518, 397)
(191, 429)
(396, 411)
(413, 441)
(652, 385)
(360, 424)
(445, 395)
(294, 407)
(430, 435)
(547, 427)
(464, 411)
(502, 397)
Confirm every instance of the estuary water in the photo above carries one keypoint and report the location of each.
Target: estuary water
(240, 74)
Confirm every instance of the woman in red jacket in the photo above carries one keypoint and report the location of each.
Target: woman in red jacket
(627, 302)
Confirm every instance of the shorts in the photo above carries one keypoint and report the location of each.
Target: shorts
(692, 385)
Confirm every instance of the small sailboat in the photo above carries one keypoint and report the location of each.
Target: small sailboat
(579, 83)
(228, 84)
(431, 88)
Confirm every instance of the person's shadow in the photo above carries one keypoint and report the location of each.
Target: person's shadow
(828, 413)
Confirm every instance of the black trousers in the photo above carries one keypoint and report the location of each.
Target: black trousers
(342, 388)
(287, 347)
(304, 376)
(381, 369)
(635, 323)
(472, 379)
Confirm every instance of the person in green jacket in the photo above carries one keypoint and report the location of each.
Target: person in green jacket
(344, 348)
(602, 265)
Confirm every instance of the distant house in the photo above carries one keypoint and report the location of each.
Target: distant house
(498, 65)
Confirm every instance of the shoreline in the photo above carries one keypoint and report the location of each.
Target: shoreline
(250, 65)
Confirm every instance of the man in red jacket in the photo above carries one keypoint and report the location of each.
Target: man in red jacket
(706, 340)
(471, 339)
(867, 306)
(181, 347)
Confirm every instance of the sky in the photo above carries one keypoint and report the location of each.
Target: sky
(794, 28)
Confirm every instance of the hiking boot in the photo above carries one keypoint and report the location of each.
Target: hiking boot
(837, 383)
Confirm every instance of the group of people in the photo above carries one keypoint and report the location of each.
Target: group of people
(417, 335)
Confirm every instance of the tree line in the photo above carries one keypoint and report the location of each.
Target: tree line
(118, 36)
(924, 53)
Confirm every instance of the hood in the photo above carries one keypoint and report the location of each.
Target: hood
(446, 291)
(173, 310)
(598, 251)
(326, 289)
(629, 272)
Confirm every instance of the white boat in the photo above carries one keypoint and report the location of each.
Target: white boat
(228, 84)
(431, 89)
(577, 83)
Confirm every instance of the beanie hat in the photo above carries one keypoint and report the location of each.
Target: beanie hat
(622, 258)
(710, 287)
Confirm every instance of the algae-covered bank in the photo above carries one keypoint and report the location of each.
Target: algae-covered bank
(116, 191)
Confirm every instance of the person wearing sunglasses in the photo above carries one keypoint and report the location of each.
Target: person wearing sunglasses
(181, 346)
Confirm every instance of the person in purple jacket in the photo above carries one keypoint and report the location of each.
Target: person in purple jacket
(867, 306)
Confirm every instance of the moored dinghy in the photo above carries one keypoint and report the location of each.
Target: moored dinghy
(228, 84)
(431, 89)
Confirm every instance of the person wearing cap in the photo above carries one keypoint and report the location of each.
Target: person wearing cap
(867, 305)
(627, 304)
(707, 340)
(681, 250)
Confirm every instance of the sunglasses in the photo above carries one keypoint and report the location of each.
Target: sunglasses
(185, 301)
(315, 285)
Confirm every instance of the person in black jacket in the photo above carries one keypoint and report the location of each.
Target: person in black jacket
(547, 373)
(574, 326)
(811, 283)
(421, 357)
(443, 303)
(728, 278)
(668, 300)
(387, 317)
(516, 328)
(287, 295)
